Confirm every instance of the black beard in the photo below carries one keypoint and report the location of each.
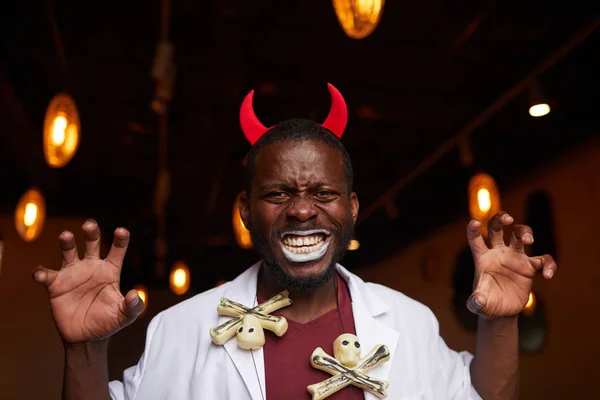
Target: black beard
(265, 249)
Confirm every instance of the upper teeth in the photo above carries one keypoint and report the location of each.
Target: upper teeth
(302, 241)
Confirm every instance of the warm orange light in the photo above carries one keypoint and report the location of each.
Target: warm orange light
(358, 18)
(484, 198)
(242, 235)
(529, 308)
(143, 293)
(484, 202)
(61, 131)
(30, 215)
(179, 280)
(353, 245)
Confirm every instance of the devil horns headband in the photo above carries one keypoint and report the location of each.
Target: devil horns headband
(336, 120)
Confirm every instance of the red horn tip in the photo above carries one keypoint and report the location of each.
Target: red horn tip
(338, 114)
(253, 129)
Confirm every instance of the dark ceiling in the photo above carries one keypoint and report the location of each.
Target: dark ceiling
(422, 80)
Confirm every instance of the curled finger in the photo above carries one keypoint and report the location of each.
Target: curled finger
(496, 228)
(522, 235)
(476, 242)
(68, 248)
(117, 252)
(91, 234)
(544, 263)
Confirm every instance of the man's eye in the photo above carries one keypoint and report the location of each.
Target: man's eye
(325, 195)
(277, 195)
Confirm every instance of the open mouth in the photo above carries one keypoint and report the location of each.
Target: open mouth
(303, 246)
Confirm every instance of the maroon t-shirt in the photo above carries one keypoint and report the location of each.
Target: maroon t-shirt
(287, 359)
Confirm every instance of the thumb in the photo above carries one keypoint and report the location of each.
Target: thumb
(476, 303)
(44, 276)
(133, 305)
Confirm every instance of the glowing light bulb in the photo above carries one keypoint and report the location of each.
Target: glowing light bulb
(179, 279)
(59, 126)
(484, 200)
(529, 308)
(539, 110)
(143, 295)
(30, 214)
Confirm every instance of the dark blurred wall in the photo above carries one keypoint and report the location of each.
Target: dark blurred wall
(567, 362)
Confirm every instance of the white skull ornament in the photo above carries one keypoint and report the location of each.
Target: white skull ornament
(250, 335)
(346, 349)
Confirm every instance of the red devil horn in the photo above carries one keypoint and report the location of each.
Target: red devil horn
(338, 114)
(253, 129)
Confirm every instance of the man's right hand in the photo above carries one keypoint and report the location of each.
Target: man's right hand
(85, 298)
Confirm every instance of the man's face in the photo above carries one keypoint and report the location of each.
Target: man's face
(300, 214)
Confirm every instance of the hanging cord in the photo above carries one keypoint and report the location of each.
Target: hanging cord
(163, 72)
(58, 42)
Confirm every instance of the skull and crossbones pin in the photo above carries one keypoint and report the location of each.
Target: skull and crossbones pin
(348, 368)
(249, 324)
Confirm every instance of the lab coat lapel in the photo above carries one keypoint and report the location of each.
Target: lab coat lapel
(250, 364)
(370, 332)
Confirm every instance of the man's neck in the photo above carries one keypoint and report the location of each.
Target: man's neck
(307, 306)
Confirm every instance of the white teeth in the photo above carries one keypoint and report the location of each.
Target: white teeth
(305, 249)
(302, 241)
(305, 253)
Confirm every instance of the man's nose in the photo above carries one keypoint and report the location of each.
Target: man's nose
(302, 209)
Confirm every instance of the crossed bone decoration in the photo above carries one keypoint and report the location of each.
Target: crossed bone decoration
(249, 323)
(348, 368)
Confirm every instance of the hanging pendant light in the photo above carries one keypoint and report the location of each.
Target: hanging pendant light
(538, 106)
(358, 18)
(179, 279)
(242, 235)
(484, 198)
(30, 215)
(61, 131)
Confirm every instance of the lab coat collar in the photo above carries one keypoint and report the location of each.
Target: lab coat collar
(366, 306)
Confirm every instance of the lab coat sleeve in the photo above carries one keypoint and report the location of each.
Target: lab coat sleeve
(452, 368)
(132, 376)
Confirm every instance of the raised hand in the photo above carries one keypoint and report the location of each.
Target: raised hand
(503, 274)
(85, 298)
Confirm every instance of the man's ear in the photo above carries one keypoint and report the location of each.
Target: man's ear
(244, 209)
(354, 206)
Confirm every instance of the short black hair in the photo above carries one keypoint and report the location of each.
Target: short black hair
(298, 130)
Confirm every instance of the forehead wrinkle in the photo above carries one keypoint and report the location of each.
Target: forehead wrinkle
(299, 165)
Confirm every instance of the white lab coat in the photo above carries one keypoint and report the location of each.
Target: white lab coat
(180, 362)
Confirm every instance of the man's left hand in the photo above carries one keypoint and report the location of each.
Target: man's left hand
(503, 274)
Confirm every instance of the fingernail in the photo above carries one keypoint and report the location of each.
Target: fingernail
(38, 276)
(550, 273)
(89, 221)
(528, 237)
(62, 233)
(473, 222)
(477, 303)
(506, 217)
